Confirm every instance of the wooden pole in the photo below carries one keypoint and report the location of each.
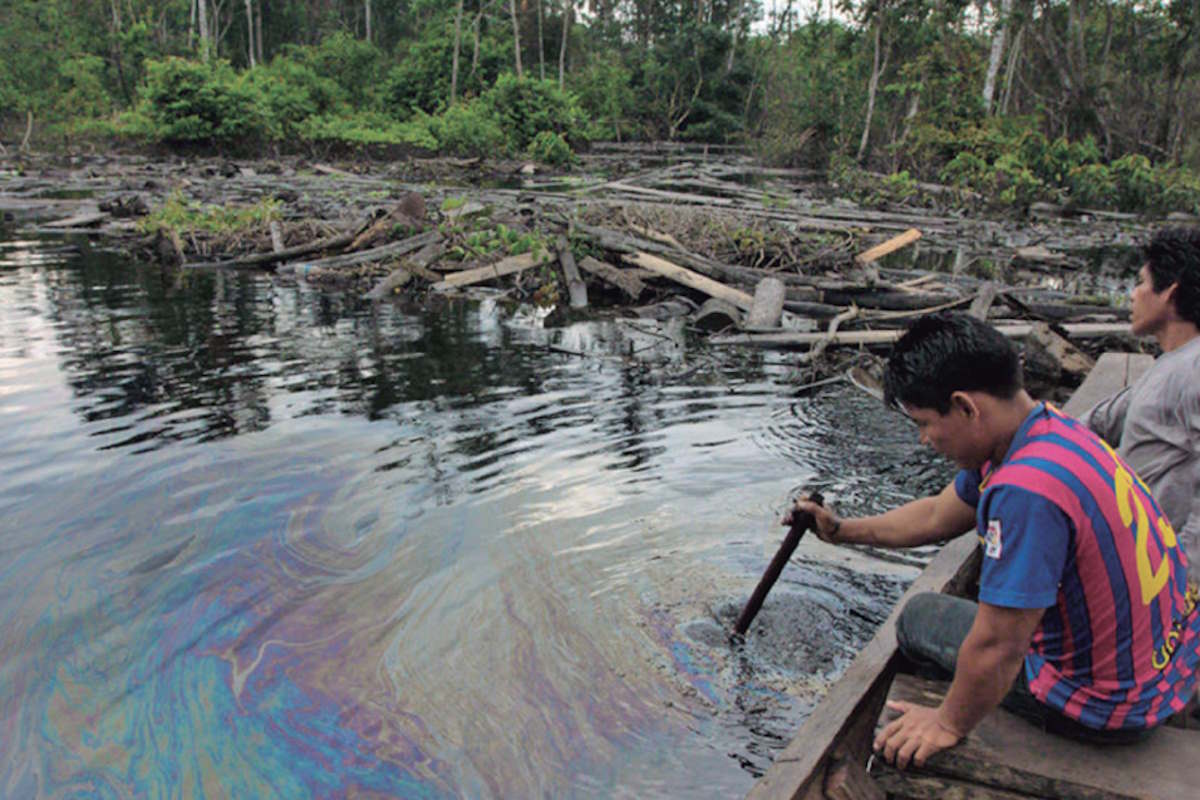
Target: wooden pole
(801, 523)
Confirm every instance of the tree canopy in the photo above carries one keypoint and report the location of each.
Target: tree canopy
(1017, 96)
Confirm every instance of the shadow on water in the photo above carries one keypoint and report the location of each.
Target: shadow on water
(429, 552)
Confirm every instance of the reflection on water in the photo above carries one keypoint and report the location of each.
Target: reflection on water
(261, 541)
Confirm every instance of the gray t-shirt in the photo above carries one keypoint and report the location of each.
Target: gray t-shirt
(1155, 425)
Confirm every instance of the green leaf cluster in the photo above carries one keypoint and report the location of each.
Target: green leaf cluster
(183, 215)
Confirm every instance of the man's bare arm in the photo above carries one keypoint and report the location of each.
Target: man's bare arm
(930, 519)
(988, 661)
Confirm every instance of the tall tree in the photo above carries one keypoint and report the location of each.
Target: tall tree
(996, 54)
(458, 15)
(205, 34)
(512, 5)
(250, 32)
(567, 12)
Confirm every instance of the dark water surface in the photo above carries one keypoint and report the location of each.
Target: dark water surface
(260, 541)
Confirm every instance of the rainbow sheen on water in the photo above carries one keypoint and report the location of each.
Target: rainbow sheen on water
(260, 541)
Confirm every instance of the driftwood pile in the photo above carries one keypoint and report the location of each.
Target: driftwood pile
(752, 255)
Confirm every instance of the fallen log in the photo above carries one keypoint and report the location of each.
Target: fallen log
(418, 265)
(391, 250)
(690, 279)
(505, 266)
(259, 259)
(890, 246)
(82, 220)
(623, 279)
(786, 339)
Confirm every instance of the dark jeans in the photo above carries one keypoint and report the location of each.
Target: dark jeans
(930, 631)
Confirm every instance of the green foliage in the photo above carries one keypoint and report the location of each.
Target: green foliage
(289, 92)
(525, 107)
(466, 129)
(607, 99)
(365, 128)
(353, 64)
(182, 215)
(484, 240)
(187, 101)
(84, 93)
(550, 148)
(421, 80)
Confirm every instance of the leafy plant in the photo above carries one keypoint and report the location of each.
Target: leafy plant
(550, 148)
(183, 215)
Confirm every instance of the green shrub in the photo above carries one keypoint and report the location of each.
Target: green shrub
(1092, 186)
(181, 215)
(607, 99)
(421, 80)
(365, 128)
(550, 148)
(288, 92)
(83, 94)
(353, 64)
(467, 129)
(525, 107)
(187, 101)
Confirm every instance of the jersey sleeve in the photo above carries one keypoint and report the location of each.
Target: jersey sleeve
(1026, 543)
(966, 485)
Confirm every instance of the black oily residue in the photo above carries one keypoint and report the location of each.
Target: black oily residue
(812, 625)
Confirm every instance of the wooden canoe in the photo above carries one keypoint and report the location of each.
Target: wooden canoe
(1004, 758)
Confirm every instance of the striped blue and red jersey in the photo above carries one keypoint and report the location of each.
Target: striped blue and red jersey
(1067, 526)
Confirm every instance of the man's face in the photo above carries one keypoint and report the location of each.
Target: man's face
(1149, 310)
(952, 434)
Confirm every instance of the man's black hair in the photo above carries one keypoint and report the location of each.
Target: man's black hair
(949, 352)
(1173, 256)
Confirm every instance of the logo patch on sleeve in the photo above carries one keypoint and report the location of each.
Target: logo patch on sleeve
(993, 543)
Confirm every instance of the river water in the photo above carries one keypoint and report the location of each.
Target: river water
(263, 541)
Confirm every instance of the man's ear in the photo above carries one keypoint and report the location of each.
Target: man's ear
(1169, 295)
(964, 403)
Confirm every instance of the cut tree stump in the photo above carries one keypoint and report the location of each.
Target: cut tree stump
(576, 288)
(767, 309)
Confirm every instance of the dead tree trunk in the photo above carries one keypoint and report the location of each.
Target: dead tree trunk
(367, 14)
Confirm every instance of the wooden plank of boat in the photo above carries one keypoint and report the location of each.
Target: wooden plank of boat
(1005, 753)
(835, 740)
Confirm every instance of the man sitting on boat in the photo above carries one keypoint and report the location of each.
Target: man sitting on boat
(1155, 422)
(1085, 624)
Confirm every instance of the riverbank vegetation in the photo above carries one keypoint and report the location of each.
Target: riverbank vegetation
(1092, 103)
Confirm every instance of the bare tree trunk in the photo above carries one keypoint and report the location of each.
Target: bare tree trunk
(250, 32)
(735, 29)
(258, 33)
(205, 37)
(997, 54)
(475, 55)
(457, 44)
(192, 27)
(541, 43)
(367, 12)
(1013, 56)
(512, 6)
(568, 12)
(872, 89)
